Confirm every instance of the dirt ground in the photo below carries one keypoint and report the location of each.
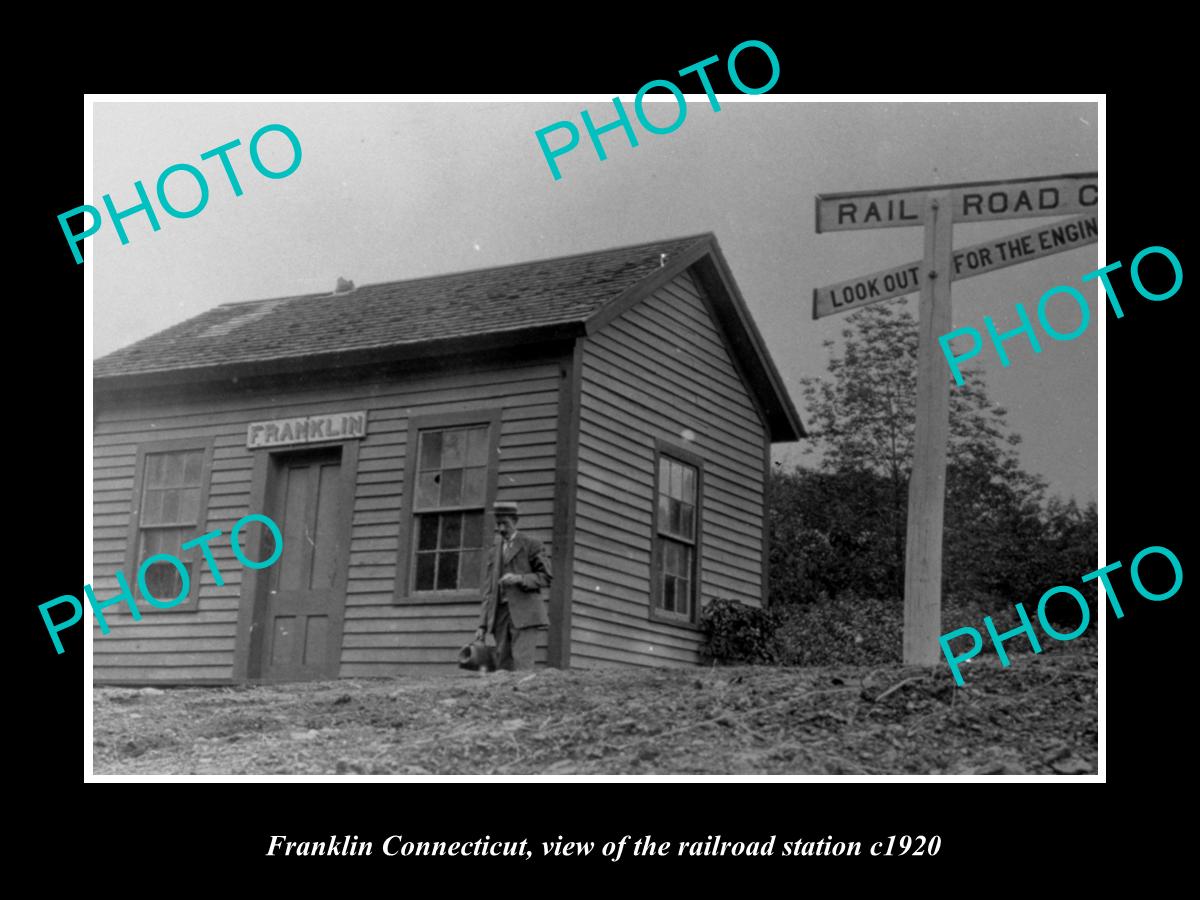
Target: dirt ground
(1036, 717)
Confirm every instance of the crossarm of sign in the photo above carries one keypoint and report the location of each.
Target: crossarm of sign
(981, 201)
(1045, 240)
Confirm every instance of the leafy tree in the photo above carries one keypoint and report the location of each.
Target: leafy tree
(846, 521)
(824, 534)
(1066, 551)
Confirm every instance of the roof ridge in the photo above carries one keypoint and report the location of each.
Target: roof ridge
(690, 238)
(541, 293)
(264, 300)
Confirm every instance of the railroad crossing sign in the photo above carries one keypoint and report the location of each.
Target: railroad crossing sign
(938, 208)
(897, 281)
(978, 201)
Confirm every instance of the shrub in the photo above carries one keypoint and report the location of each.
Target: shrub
(739, 633)
(867, 631)
(832, 532)
(846, 630)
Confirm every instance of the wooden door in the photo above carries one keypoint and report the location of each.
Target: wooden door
(305, 589)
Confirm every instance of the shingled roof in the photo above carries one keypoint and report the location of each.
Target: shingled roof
(544, 299)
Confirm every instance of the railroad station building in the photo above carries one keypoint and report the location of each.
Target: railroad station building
(623, 398)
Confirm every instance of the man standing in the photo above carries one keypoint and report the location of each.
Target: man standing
(514, 592)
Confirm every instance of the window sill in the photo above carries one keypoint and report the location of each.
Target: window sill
(121, 612)
(415, 597)
(666, 618)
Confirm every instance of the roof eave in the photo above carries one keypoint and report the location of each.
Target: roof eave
(782, 419)
(782, 415)
(344, 359)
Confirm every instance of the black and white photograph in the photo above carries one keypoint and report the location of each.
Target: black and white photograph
(700, 433)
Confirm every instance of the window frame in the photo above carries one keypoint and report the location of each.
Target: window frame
(676, 453)
(193, 558)
(406, 552)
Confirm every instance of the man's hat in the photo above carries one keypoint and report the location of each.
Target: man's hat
(505, 508)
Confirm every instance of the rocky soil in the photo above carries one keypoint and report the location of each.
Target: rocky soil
(1039, 717)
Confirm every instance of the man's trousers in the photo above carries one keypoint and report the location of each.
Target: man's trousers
(515, 647)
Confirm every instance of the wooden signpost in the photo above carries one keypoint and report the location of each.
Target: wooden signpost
(937, 208)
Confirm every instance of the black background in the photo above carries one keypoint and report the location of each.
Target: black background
(989, 827)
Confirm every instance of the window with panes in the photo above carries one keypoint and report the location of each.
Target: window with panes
(677, 524)
(169, 516)
(449, 502)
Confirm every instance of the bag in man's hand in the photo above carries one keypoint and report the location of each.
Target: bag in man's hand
(477, 656)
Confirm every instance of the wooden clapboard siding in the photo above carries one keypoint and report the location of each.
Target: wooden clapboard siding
(174, 674)
(658, 371)
(382, 636)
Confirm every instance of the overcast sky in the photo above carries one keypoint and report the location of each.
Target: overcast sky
(390, 191)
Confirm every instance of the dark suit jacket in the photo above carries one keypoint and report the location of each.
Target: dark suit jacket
(527, 600)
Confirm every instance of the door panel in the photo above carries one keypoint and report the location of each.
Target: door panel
(305, 595)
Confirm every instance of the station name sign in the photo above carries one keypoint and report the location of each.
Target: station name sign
(306, 430)
(985, 201)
